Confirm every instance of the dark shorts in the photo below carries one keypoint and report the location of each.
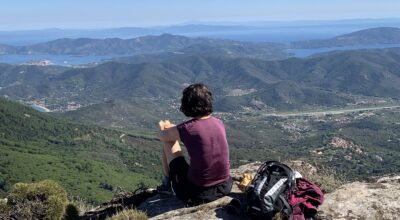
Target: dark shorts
(190, 193)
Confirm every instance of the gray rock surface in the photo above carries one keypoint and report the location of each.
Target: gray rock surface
(377, 199)
(361, 200)
(169, 207)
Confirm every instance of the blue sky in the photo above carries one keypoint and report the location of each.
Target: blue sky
(31, 14)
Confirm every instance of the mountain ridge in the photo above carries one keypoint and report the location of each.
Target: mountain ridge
(332, 80)
(150, 44)
(381, 35)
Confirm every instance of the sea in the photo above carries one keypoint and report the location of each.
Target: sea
(303, 53)
(273, 34)
(71, 60)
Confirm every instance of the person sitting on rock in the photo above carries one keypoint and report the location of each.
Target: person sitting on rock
(207, 176)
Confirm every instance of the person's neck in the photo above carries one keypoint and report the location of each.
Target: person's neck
(203, 117)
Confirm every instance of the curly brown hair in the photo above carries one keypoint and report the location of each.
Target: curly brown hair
(196, 101)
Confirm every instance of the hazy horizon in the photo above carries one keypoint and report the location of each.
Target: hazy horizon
(254, 23)
(102, 14)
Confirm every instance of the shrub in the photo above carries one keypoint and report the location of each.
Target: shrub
(41, 200)
(130, 214)
(326, 178)
(106, 186)
(4, 209)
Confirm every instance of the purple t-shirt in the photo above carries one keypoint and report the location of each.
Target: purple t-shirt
(205, 140)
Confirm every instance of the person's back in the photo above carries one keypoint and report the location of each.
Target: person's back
(205, 140)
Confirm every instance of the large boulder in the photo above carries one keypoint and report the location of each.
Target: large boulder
(378, 199)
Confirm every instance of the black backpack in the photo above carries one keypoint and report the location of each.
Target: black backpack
(269, 191)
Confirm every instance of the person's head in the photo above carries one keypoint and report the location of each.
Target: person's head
(196, 101)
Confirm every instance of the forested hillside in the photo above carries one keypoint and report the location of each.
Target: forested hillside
(89, 161)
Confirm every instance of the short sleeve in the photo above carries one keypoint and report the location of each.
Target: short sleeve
(182, 131)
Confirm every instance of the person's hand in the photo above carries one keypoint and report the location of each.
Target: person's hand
(168, 124)
(165, 124)
(161, 123)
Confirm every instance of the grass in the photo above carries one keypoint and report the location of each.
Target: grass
(328, 179)
(80, 203)
(129, 214)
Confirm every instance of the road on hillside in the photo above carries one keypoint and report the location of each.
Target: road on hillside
(331, 112)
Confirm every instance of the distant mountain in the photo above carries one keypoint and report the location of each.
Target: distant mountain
(151, 45)
(257, 31)
(29, 37)
(87, 46)
(35, 146)
(382, 35)
(332, 80)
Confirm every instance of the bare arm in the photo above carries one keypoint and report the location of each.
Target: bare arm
(169, 132)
